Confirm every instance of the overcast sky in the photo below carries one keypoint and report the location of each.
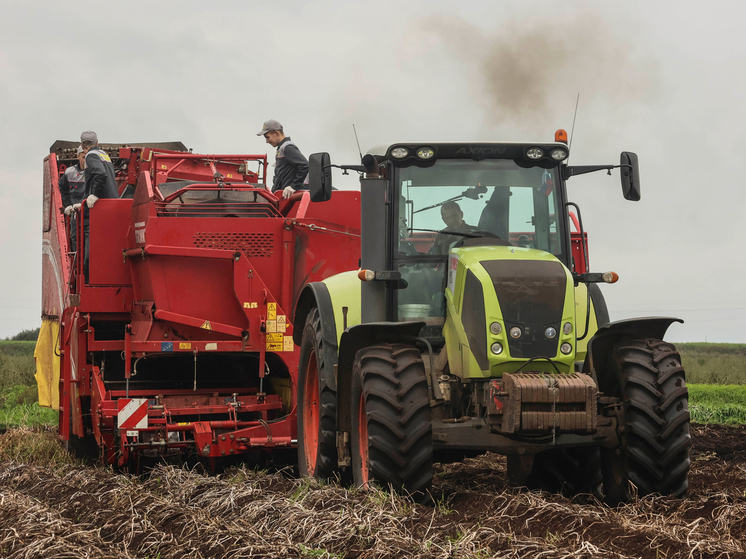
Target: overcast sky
(662, 79)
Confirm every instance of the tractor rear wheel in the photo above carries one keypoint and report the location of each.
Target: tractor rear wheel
(391, 421)
(569, 471)
(654, 455)
(317, 405)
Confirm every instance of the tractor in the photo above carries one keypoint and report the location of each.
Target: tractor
(474, 324)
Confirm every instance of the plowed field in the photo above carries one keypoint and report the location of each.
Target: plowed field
(53, 510)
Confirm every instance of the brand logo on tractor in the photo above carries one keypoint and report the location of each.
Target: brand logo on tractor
(481, 151)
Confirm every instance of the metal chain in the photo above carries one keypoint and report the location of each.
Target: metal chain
(554, 411)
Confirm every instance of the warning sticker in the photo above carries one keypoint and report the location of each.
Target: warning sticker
(288, 344)
(206, 325)
(274, 338)
(185, 345)
(271, 311)
(274, 346)
(271, 326)
(132, 413)
(248, 305)
(167, 346)
(212, 346)
(282, 323)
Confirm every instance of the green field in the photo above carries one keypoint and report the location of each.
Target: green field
(18, 395)
(714, 363)
(716, 376)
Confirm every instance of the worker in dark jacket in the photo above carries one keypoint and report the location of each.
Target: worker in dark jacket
(72, 189)
(291, 167)
(100, 180)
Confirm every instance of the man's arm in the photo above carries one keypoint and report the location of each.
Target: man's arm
(94, 168)
(65, 191)
(300, 163)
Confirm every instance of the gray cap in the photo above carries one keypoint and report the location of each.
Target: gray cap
(269, 126)
(80, 150)
(89, 137)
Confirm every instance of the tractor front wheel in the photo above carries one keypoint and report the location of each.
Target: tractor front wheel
(391, 421)
(317, 405)
(647, 376)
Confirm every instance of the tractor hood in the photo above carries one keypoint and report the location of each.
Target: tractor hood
(513, 305)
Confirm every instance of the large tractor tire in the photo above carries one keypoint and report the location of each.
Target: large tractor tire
(654, 453)
(391, 421)
(317, 405)
(569, 471)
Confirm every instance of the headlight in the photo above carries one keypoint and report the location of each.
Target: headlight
(497, 348)
(566, 348)
(515, 332)
(550, 333)
(567, 328)
(559, 154)
(534, 153)
(399, 153)
(425, 153)
(496, 328)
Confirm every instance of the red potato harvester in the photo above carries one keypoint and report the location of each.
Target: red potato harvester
(179, 339)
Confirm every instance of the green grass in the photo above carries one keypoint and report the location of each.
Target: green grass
(720, 404)
(714, 363)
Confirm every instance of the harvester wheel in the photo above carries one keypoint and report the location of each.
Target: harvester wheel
(391, 421)
(569, 471)
(654, 455)
(317, 405)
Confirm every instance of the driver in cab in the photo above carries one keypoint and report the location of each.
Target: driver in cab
(453, 217)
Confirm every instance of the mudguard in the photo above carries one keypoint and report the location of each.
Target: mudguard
(599, 346)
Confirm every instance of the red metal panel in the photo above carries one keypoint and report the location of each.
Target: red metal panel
(55, 264)
(109, 221)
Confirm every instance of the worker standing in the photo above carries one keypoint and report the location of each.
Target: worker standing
(100, 180)
(72, 189)
(291, 166)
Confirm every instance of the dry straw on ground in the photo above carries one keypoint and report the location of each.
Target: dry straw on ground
(74, 511)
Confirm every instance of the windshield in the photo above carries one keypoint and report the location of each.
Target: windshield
(457, 199)
(462, 198)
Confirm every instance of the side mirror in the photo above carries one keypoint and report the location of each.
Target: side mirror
(630, 172)
(320, 177)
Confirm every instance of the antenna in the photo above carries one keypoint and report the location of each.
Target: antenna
(358, 141)
(572, 132)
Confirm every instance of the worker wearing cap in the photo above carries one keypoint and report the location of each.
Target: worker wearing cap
(72, 189)
(291, 167)
(100, 180)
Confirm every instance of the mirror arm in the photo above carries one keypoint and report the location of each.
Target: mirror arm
(575, 170)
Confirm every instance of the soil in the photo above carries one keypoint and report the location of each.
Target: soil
(54, 510)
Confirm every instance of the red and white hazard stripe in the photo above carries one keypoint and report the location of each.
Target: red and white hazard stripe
(133, 413)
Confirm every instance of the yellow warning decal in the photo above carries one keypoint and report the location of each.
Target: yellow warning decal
(274, 346)
(164, 166)
(272, 326)
(282, 323)
(185, 345)
(271, 311)
(288, 344)
(274, 338)
(248, 305)
(206, 325)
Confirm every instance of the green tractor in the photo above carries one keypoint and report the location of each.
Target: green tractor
(474, 325)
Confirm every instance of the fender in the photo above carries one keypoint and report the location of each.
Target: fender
(316, 295)
(599, 346)
(354, 339)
